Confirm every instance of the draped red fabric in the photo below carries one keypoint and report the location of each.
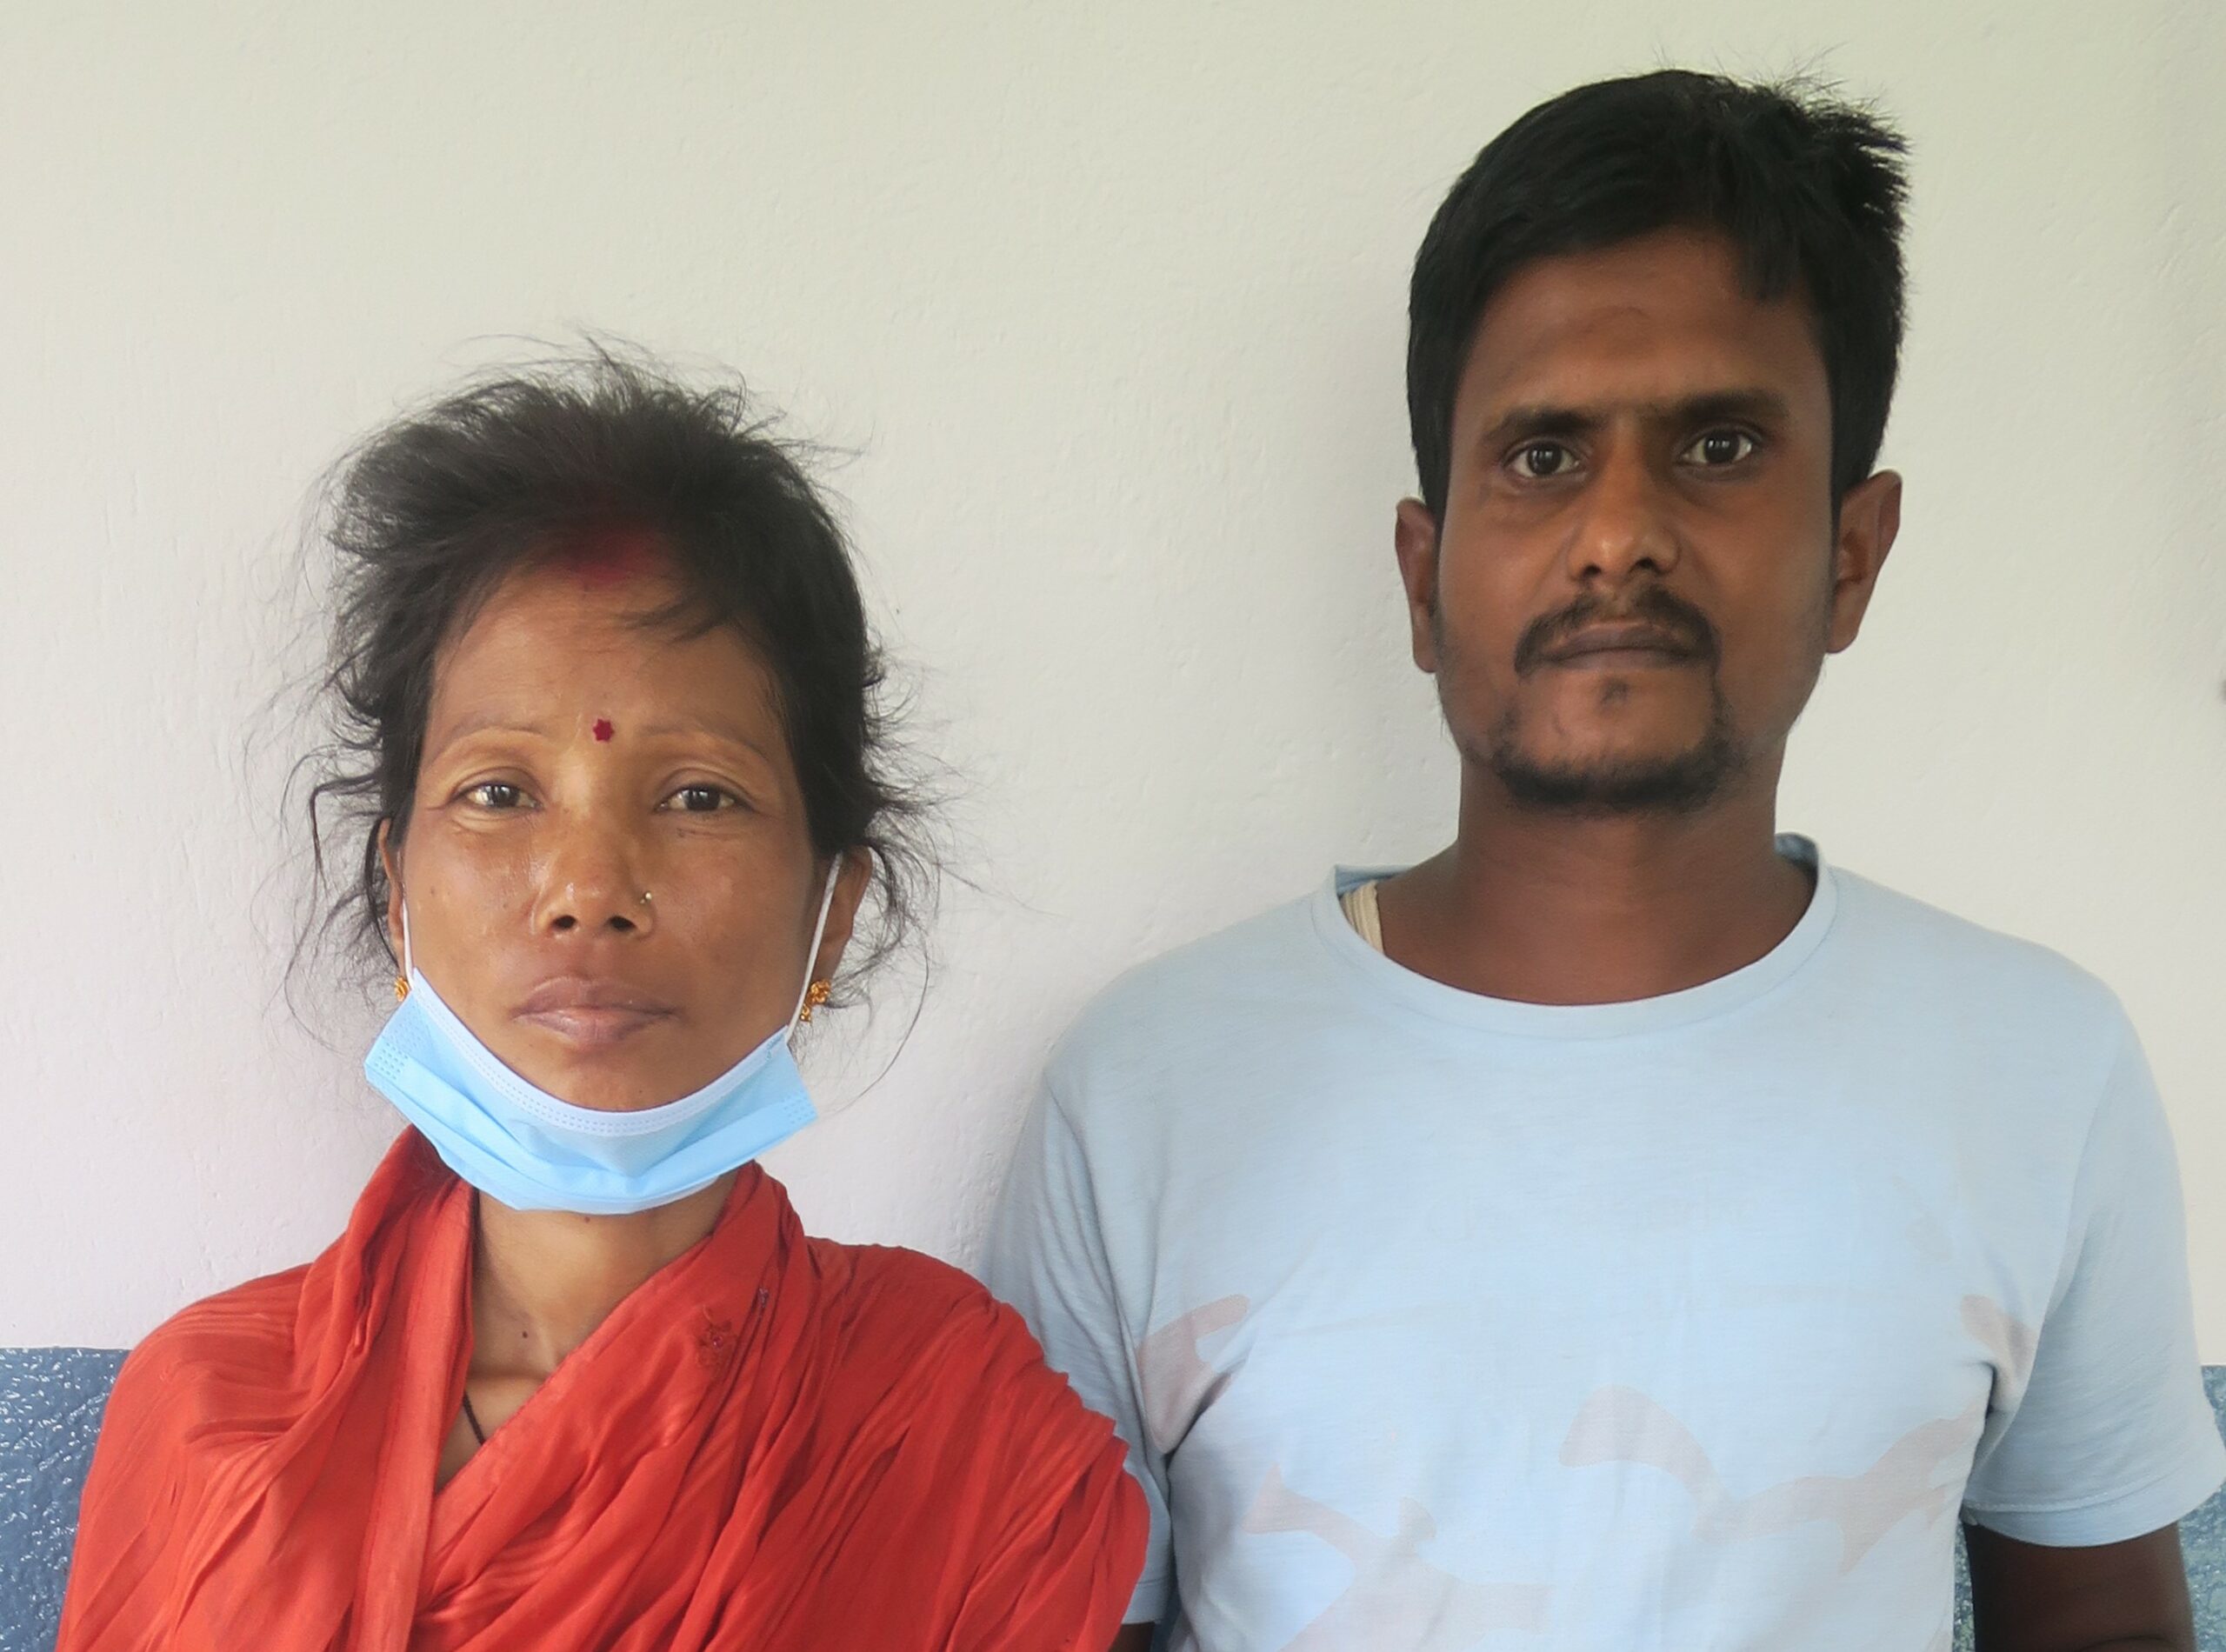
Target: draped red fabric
(776, 1444)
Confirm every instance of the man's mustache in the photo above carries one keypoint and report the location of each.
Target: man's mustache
(1684, 625)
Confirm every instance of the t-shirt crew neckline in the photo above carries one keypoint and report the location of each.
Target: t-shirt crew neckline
(1709, 999)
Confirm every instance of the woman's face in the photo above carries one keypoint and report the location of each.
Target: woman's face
(606, 868)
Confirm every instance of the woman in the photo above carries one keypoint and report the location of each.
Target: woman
(574, 1376)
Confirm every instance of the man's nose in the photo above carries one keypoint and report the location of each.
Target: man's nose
(1625, 521)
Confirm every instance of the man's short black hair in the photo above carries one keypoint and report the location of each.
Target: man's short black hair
(1808, 188)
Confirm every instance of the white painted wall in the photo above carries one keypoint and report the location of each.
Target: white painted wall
(1109, 300)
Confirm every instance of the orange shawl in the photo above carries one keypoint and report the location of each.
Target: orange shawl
(776, 1444)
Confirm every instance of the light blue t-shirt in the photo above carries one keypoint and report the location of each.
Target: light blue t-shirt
(1438, 1322)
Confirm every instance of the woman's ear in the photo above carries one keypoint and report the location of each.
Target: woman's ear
(850, 885)
(391, 863)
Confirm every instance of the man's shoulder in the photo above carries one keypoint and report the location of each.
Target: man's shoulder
(1261, 959)
(1988, 978)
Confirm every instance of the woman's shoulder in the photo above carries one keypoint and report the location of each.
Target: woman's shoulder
(1024, 1477)
(931, 1337)
(904, 1309)
(888, 1289)
(244, 1334)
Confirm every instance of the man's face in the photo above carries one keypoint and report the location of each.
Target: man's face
(1638, 572)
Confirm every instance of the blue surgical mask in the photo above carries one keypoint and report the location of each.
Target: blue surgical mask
(519, 1144)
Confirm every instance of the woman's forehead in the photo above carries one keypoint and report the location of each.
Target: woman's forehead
(602, 558)
(549, 644)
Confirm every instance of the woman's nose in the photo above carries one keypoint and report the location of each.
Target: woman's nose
(591, 884)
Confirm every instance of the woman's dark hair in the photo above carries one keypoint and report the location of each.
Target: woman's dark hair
(1806, 188)
(430, 515)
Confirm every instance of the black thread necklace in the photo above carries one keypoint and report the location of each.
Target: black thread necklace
(472, 1417)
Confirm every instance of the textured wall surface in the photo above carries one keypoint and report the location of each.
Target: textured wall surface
(1108, 303)
(51, 1400)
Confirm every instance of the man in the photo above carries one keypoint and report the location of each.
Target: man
(1624, 1230)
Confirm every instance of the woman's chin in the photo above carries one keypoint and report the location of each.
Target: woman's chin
(625, 1075)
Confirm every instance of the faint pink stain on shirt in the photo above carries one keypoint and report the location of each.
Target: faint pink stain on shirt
(1620, 1425)
(1399, 1600)
(1177, 1380)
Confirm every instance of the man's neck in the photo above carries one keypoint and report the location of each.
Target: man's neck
(543, 1280)
(1561, 909)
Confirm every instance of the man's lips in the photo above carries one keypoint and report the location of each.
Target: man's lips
(595, 1013)
(1600, 647)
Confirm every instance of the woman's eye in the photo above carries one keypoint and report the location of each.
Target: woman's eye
(1719, 448)
(700, 800)
(1538, 460)
(495, 793)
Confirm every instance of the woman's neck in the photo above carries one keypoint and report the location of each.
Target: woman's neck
(543, 1280)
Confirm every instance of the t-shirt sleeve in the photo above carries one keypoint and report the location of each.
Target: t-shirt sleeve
(2113, 1436)
(1047, 1258)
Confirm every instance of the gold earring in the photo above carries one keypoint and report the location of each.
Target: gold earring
(401, 988)
(819, 993)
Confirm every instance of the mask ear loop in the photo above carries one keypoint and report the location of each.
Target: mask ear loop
(401, 903)
(811, 958)
(402, 980)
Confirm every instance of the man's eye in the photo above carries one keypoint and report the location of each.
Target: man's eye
(495, 793)
(1720, 447)
(700, 800)
(1539, 460)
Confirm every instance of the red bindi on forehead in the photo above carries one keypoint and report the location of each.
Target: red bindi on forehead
(614, 556)
(602, 730)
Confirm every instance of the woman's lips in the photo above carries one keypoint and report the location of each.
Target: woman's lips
(594, 1028)
(593, 1013)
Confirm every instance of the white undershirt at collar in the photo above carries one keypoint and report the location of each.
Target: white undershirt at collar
(1359, 904)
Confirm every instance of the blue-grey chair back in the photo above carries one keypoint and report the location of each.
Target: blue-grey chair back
(51, 1401)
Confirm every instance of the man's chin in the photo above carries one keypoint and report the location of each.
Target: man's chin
(1611, 785)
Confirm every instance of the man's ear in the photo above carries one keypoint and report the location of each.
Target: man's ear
(1870, 516)
(1414, 536)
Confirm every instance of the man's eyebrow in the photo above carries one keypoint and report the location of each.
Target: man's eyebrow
(1754, 406)
(1542, 419)
(1552, 420)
